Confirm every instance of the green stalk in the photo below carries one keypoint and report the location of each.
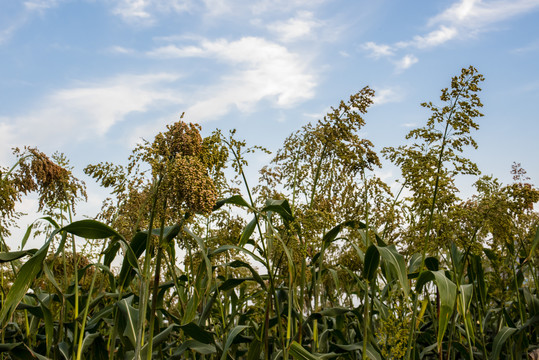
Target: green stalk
(76, 282)
(365, 321)
(111, 344)
(316, 275)
(366, 313)
(393, 207)
(144, 286)
(86, 308)
(156, 287)
(429, 225)
(272, 291)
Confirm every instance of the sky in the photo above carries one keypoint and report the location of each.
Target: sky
(90, 78)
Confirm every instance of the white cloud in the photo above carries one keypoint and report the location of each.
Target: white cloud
(295, 28)
(463, 18)
(409, 125)
(40, 5)
(144, 11)
(120, 50)
(534, 46)
(263, 70)
(173, 51)
(405, 62)
(477, 14)
(387, 95)
(18, 20)
(218, 7)
(5, 34)
(88, 110)
(265, 6)
(432, 39)
(6, 137)
(133, 9)
(378, 50)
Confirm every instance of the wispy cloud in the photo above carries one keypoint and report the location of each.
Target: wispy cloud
(405, 62)
(387, 95)
(378, 50)
(120, 50)
(26, 11)
(462, 19)
(87, 110)
(265, 6)
(409, 125)
(145, 11)
(431, 39)
(477, 14)
(40, 5)
(6, 33)
(263, 70)
(295, 28)
(531, 47)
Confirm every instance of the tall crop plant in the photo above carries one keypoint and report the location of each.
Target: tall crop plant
(317, 262)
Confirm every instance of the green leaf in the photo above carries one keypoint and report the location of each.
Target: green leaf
(91, 229)
(130, 264)
(230, 338)
(88, 341)
(299, 353)
(224, 248)
(23, 352)
(170, 233)
(372, 260)
(234, 200)
(534, 244)
(414, 263)
(8, 347)
(432, 263)
(158, 339)
(335, 311)
(256, 276)
(14, 255)
(25, 277)
(201, 348)
(49, 324)
(202, 246)
(500, 339)
(231, 284)
(448, 294)
(26, 235)
(282, 207)
(196, 332)
(255, 349)
(131, 316)
(464, 305)
(331, 235)
(396, 261)
(247, 232)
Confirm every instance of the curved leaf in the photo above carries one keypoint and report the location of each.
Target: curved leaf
(500, 339)
(247, 232)
(396, 261)
(14, 255)
(448, 294)
(91, 229)
(372, 260)
(230, 338)
(298, 352)
(197, 333)
(234, 200)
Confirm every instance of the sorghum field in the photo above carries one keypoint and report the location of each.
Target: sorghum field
(319, 260)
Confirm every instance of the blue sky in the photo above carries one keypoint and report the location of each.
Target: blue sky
(91, 77)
